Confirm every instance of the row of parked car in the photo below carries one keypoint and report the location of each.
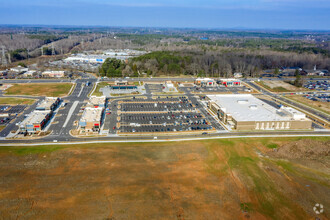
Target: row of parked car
(319, 97)
(318, 85)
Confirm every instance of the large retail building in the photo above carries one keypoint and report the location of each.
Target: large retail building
(246, 112)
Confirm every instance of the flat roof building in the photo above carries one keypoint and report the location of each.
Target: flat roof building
(205, 82)
(49, 103)
(91, 120)
(97, 101)
(121, 82)
(230, 82)
(19, 69)
(35, 122)
(53, 74)
(246, 112)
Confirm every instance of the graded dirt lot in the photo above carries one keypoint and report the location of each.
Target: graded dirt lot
(279, 86)
(40, 89)
(214, 179)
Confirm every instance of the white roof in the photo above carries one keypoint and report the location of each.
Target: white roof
(47, 103)
(97, 100)
(35, 117)
(246, 107)
(91, 114)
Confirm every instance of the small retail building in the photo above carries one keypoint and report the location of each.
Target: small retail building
(97, 101)
(53, 74)
(50, 103)
(121, 83)
(246, 112)
(35, 122)
(205, 82)
(91, 120)
(230, 82)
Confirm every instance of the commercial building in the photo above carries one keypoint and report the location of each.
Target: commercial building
(205, 82)
(245, 112)
(53, 74)
(121, 83)
(238, 75)
(19, 69)
(169, 86)
(97, 101)
(230, 82)
(30, 73)
(50, 103)
(35, 122)
(100, 58)
(91, 120)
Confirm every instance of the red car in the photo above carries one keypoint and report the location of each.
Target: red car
(114, 127)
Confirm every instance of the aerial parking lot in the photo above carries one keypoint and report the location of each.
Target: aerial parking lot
(9, 112)
(318, 85)
(163, 122)
(159, 114)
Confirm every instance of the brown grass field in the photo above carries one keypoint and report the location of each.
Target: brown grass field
(213, 179)
(40, 89)
(16, 101)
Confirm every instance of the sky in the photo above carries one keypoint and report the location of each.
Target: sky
(253, 14)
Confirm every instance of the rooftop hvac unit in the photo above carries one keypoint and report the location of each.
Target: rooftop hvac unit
(244, 101)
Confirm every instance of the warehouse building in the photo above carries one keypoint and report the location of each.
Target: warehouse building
(35, 122)
(97, 101)
(245, 112)
(50, 103)
(91, 120)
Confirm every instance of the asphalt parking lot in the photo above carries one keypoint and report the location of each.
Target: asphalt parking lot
(166, 128)
(318, 85)
(154, 88)
(319, 97)
(163, 122)
(163, 114)
(8, 109)
(161, 118)
(12, 111)
(156, 107)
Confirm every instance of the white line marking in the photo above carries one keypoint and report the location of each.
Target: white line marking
(82, 88)
(73, 107)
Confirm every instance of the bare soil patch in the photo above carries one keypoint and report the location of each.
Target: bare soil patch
(215, 179)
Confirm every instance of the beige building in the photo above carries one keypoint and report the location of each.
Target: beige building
(53, 74)
(245, 112)
(91, 120)
(97, 101)
(205, 82)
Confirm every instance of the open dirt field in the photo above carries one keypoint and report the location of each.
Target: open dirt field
(40, 89)
(279, 86)
(215, 179)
